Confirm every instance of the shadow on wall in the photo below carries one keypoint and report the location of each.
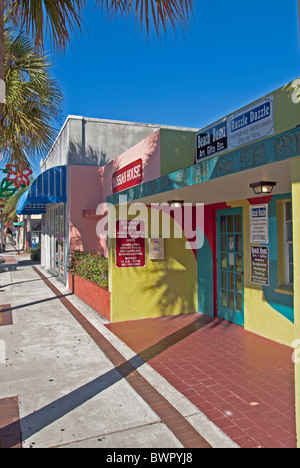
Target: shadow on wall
(144, 149)
(87, 192)
(170, 285)
(82, 154)
(76, 239)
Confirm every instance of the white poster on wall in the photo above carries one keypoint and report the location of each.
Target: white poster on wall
(259, 224)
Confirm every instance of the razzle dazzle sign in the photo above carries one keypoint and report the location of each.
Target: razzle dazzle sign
(252, 123)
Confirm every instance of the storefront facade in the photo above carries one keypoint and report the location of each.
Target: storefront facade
(227, 248)
(242, 270)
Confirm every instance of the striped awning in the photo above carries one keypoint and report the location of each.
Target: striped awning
(48, 187)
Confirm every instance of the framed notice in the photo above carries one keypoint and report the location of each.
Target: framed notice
(260, 265)
(130, 244)
(156, 249)
(259, 224)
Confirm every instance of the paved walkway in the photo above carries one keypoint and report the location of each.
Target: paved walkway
(68, 381)
(243, 383)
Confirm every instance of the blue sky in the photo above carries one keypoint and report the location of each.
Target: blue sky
(233, 53)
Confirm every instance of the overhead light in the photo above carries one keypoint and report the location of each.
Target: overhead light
(175, 203)
(262, 187)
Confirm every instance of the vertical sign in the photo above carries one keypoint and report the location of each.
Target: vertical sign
(259, 224)
(130, 244)
(260, 265)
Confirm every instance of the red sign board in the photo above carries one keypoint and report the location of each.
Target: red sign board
(128, 176)
(130, 244)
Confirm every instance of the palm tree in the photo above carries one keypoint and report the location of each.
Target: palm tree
(59, 18)
(33, 99)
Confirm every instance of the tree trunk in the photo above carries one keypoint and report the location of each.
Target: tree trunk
(2, 58)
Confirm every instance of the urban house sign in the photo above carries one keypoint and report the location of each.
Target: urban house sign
(241, 128)
(128, 176)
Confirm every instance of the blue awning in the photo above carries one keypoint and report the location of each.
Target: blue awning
(48, 187)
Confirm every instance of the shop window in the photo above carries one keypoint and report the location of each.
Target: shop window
(285, 246)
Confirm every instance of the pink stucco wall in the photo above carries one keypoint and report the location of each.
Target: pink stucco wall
(85, 192)
(148, 150)
(89, 186)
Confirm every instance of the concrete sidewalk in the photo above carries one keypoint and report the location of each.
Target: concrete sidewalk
(68, 381)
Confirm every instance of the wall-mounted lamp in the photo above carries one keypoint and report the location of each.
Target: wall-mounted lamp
(262, 187)
(175, 203)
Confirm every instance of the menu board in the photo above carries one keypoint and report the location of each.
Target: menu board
(130, 244)
(259, 224)
(260, 265)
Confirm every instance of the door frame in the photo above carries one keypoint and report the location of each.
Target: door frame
(226, 313)
(57, 234)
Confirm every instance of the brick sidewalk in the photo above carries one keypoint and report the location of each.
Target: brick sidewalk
(242, 382)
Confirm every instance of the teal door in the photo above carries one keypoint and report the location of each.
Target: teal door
(230, 265)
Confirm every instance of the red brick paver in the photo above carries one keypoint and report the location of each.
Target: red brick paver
(241, 381)
(5, 315)
(10, 431)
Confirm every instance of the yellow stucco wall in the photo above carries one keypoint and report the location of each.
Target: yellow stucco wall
(161, 288)
(296, 234)
(259, 316)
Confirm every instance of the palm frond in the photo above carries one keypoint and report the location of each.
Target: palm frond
(33, 101)
(57, 19)
(163, 13)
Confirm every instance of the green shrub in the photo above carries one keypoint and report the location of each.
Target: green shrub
(90, 266)
(35, 253)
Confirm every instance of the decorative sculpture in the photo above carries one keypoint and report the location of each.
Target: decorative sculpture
(17, 177)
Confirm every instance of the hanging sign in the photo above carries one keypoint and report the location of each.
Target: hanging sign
(259, 224)
(128, 176)
(130, 244)
(260, 265)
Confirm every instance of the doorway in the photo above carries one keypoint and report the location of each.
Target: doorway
(230, 265)
(57, 241)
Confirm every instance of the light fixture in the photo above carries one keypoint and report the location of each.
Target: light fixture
(175, 203)
(262, 187)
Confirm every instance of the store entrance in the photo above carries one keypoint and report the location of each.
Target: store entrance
(57, 241)
(230, 265)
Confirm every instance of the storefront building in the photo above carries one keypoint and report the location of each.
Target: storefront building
(228, 250)
(75, 180)
(242, 269)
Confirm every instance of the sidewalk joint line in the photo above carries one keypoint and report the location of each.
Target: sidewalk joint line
(182, 429)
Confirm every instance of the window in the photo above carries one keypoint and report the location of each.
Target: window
(288, 244)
